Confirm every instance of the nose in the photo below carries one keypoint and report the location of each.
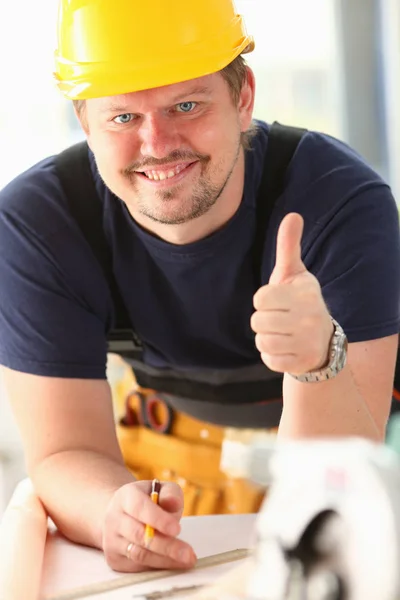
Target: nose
(159, 137)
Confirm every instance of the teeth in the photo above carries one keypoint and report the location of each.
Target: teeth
(162, 175)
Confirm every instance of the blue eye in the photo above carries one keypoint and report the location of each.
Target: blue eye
(124, 119)
(186, 106)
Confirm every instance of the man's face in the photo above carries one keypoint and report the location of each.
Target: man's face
(170, 152)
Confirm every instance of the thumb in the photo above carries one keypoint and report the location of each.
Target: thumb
(288, 261)
(171, 499)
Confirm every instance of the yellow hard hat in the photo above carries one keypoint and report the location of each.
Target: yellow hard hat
(110, 47)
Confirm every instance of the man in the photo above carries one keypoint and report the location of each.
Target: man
(166, 102)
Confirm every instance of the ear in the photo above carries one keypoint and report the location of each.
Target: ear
(80, 113)
(246, 100)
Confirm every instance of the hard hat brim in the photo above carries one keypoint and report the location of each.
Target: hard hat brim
(99, 81)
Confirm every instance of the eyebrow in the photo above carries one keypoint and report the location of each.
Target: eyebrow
(120, 108)
(198, 91)
(124, 108)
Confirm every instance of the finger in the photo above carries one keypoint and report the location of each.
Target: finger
(268, 321)
(138, 504)
(147, 557)
(134, 532)
(270, 297)
(286, 363)
(118, 559)
(171, 499)
(130, 528)
(275, 344)
(288, 261)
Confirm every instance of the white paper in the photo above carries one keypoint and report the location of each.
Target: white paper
(68, 566)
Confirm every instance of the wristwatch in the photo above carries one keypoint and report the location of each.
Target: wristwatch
(337, 354)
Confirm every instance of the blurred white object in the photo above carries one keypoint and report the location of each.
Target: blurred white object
(23, 531)
(329, 528)
(239, 454)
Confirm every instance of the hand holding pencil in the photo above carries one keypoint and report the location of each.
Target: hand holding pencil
(141, 527)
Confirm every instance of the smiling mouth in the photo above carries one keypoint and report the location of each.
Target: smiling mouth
(164, 174)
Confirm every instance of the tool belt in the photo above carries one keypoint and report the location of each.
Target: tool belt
(159, 442)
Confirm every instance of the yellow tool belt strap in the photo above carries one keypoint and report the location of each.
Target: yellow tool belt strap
(188, 452)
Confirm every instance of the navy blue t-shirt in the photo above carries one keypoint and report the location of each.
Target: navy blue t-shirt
(191, 305)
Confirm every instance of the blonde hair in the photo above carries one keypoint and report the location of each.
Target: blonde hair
(235, 75)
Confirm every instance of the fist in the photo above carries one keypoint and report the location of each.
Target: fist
(130, 509)
(291, 321)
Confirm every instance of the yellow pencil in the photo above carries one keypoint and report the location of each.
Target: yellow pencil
(149, 531)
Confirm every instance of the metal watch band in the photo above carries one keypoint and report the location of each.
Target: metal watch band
(337, 360)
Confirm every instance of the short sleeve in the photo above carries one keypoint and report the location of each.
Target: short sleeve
(54, 302)
(358, 265)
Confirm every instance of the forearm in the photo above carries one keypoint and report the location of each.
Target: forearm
(76, 487)
(330, 408)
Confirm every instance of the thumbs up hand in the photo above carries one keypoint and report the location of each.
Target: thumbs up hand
(292, 323)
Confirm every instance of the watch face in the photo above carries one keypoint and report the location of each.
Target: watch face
(339, 354)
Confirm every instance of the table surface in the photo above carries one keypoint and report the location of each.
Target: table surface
(68, 566)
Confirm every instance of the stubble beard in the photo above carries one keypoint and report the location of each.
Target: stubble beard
(203, 197)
